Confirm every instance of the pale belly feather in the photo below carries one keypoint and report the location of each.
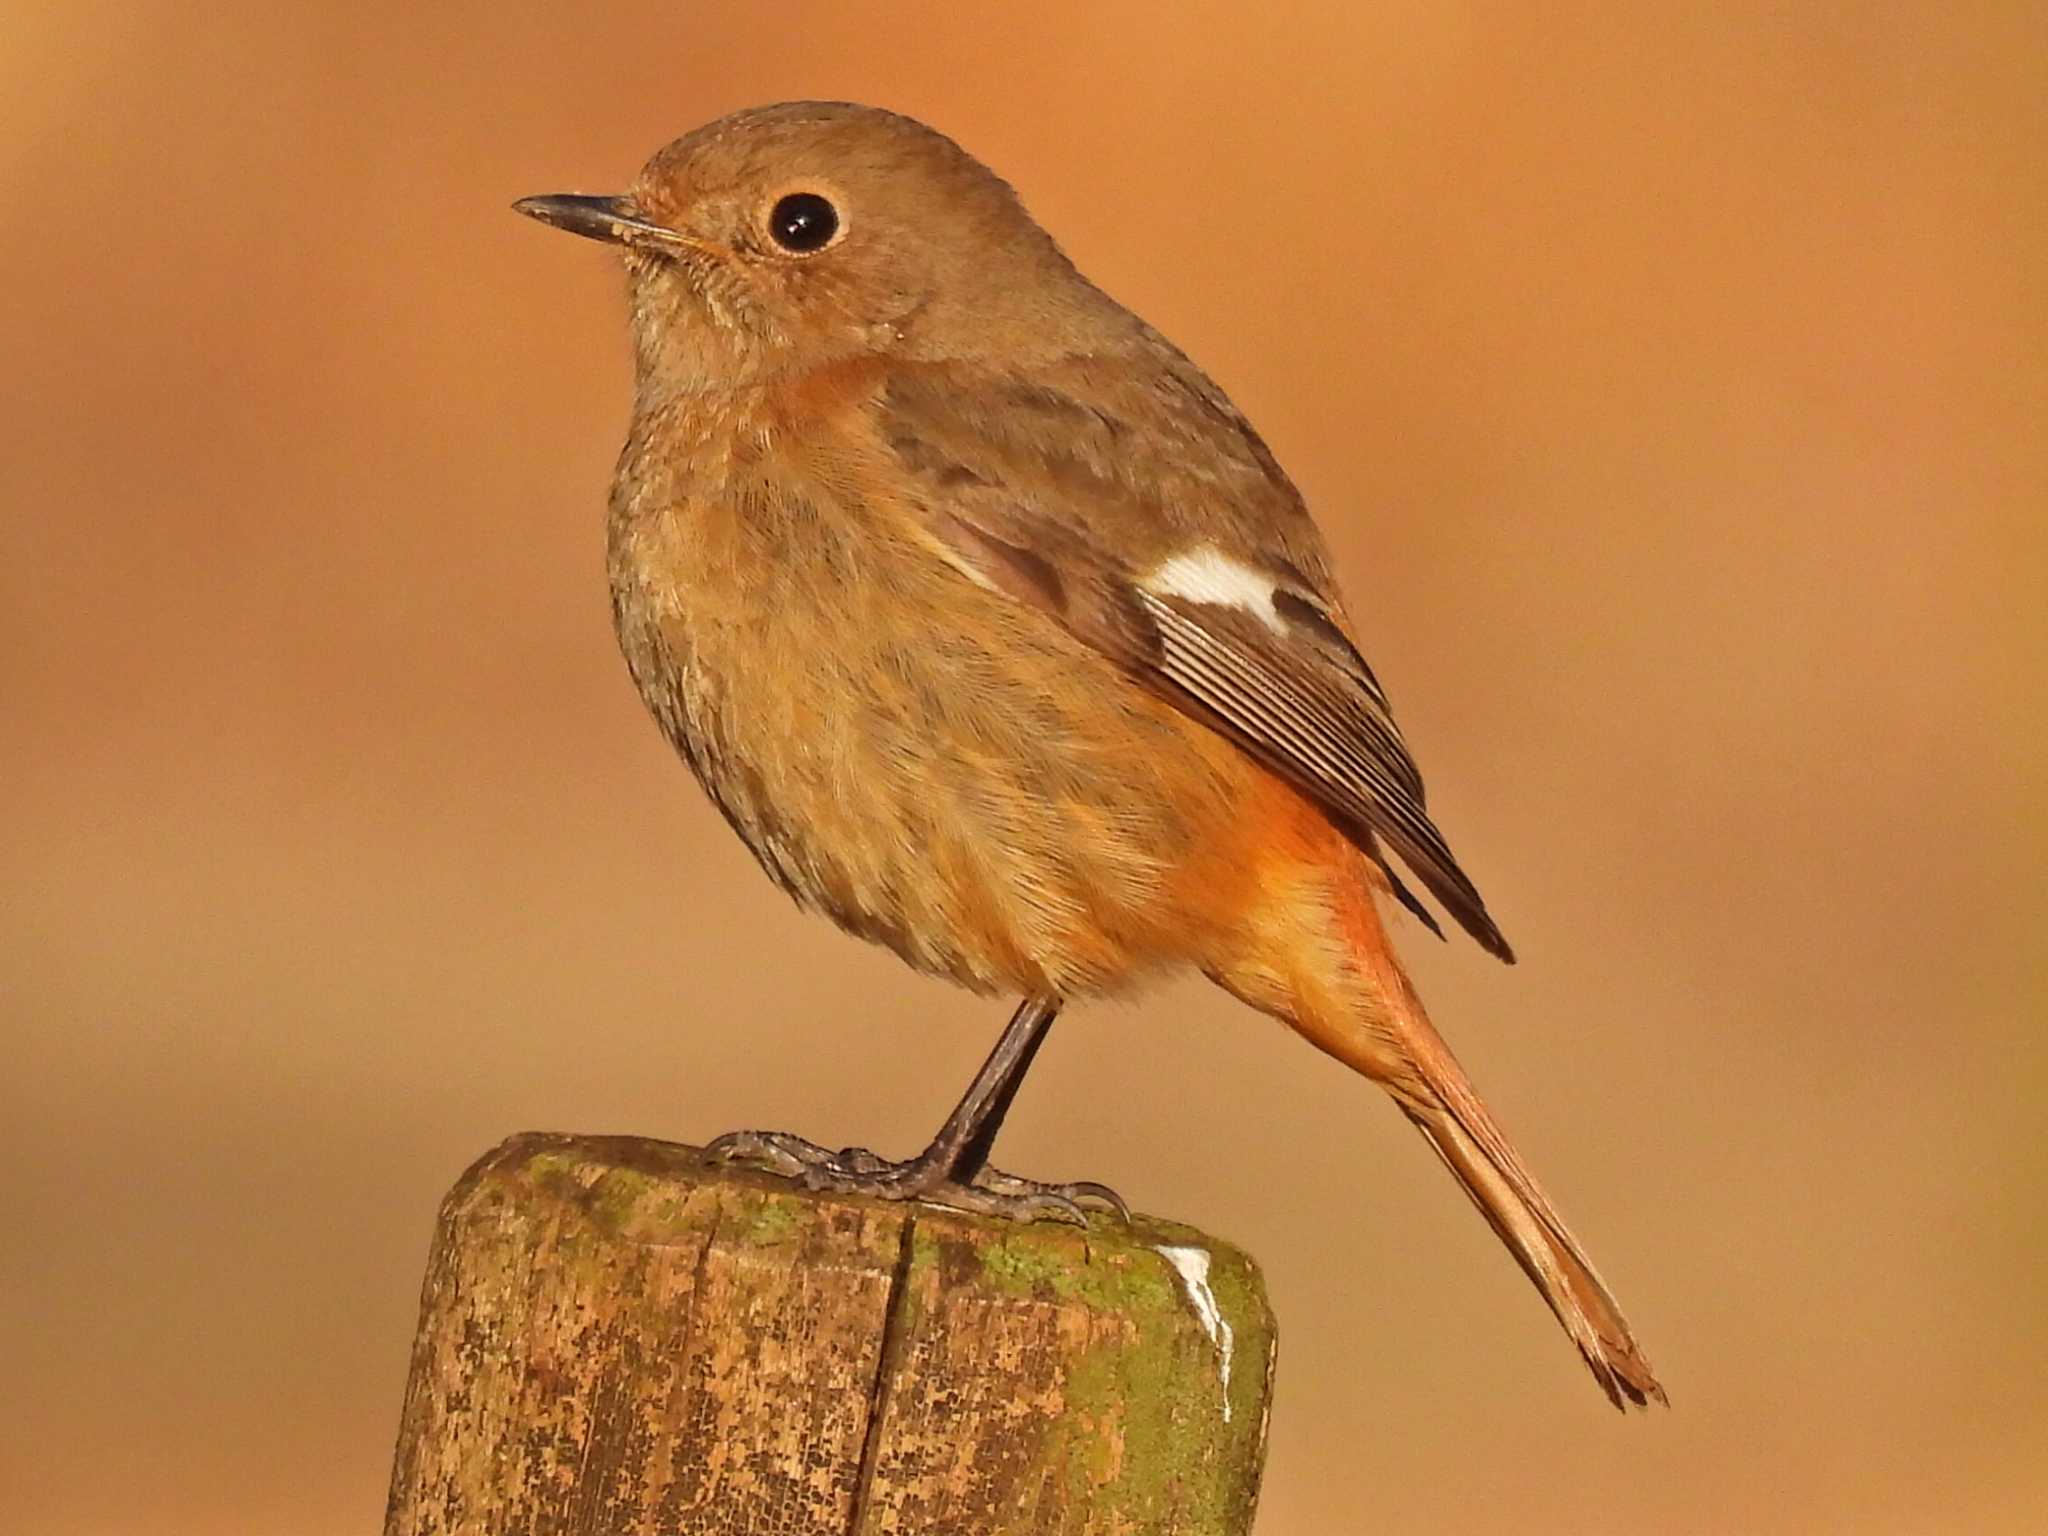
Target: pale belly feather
(935, 766)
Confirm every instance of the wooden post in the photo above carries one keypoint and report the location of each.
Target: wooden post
(617, 1337)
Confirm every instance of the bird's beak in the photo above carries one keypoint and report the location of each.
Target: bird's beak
(616, 220)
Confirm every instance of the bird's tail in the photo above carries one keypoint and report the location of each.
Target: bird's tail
(1317, 957)
(1454, 1121)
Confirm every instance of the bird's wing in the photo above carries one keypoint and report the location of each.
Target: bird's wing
(1138, 509)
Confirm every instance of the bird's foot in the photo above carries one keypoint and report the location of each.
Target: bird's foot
(1076, 1197)
(928, 1178)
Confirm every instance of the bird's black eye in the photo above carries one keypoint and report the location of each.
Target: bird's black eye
(803, 222)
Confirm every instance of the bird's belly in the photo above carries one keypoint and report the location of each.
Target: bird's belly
(937, 768)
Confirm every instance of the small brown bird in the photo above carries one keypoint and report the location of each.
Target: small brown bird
(998, 635)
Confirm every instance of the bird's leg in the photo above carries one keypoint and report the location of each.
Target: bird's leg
(954, 1170)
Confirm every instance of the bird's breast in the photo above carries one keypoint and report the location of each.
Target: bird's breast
(936, 766)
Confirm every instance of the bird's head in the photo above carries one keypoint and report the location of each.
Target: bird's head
(791, 237)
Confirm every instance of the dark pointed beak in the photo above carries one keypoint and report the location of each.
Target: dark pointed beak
(616, 220)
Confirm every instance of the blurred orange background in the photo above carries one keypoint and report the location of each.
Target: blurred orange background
(1672, 388)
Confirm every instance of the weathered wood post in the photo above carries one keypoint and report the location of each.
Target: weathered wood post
(617, 1337)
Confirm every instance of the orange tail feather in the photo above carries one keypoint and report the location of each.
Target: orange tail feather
(1311, 950)
(1514, 1205)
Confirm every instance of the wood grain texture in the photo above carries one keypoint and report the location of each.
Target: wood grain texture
(616, 1338)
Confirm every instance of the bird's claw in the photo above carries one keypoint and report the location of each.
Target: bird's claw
(1078, 1196)
(925, 1178)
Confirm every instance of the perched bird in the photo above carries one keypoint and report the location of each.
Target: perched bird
(999, 636)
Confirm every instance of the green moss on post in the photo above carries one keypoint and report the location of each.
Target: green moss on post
(614, 1336)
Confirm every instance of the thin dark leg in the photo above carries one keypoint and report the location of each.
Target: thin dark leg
(964, 1141)
(953, 1170)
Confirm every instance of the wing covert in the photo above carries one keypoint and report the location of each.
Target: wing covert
(1077, 523)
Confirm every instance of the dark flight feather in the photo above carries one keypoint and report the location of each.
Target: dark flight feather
(1293, 692)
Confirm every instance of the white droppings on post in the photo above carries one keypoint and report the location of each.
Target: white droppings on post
(1192, 1265)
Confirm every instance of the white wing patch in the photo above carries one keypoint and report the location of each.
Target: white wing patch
(1205, 574)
